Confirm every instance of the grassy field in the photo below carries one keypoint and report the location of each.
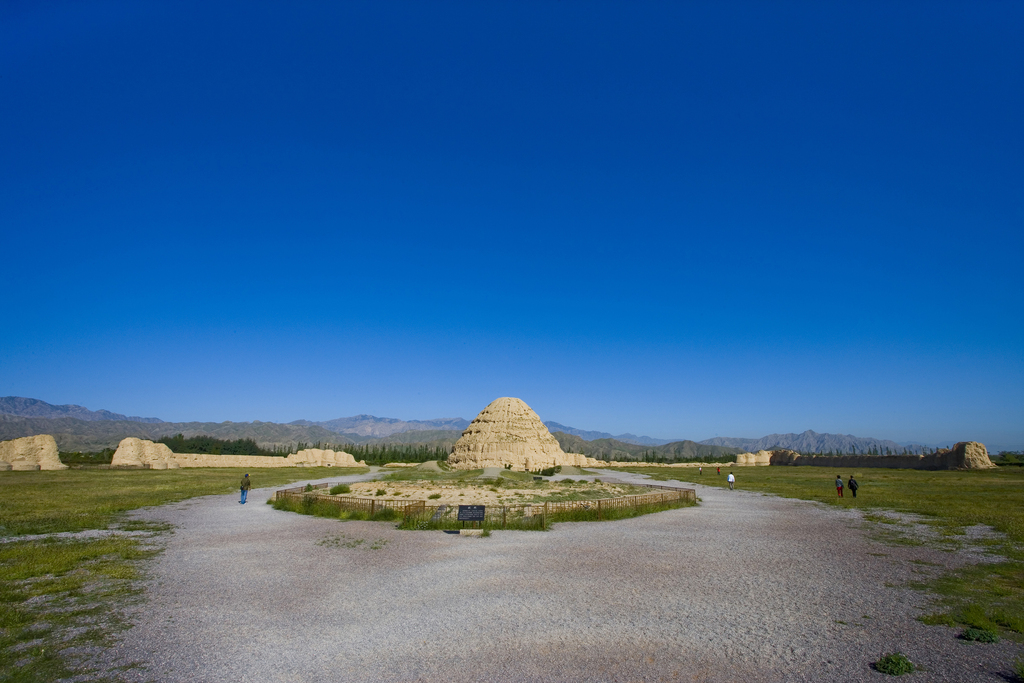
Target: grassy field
(989, 596)
(61, 596)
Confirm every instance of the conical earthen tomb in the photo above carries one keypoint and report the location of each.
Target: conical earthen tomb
(508, 432)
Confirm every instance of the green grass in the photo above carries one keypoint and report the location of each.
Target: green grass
(987, 596)
(59, 595)
(76, 500)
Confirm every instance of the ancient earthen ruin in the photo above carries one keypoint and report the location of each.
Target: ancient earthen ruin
(508, 432)
(132, 452)
(966, 455)
(30, 453)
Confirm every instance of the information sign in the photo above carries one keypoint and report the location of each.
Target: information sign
(471, 513)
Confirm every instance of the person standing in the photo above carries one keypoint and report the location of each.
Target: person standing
(839, 485)
(853, 486)
(246, 485)
(732, 481)
(700, 470)
(719, 470)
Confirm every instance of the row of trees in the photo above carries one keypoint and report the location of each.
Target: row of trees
(214, 446)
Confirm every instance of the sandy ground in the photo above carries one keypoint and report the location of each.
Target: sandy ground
(743, 587)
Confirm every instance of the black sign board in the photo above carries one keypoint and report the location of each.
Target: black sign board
(471, 513)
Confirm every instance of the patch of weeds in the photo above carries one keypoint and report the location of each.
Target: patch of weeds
(379, 543)
(486, 533)
(58, 596)
(385, 515)
(895, 664)
(925, 563)
(309, 487)
(985, 596)
(434, 496)
(938, 619)
(340, 488)
(979, 635)
(381, 492)
(841, 622)
(1018, 668)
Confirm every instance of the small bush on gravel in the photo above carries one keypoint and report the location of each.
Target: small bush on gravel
(895, 664)
(980, 635)
(434, 496)
(340, 488)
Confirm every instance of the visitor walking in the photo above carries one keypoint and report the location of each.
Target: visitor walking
(839, 485)
(732, 481)
(246, 485)
(853, 486)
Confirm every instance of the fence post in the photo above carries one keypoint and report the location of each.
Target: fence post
(504, 511)
(598, 508)
(373, 504)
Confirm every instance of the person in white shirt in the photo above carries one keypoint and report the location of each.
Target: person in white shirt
(732, 481)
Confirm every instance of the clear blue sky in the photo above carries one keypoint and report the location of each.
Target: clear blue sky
(674, 219)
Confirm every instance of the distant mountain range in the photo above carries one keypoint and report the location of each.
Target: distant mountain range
(593, 436)
(78, 428)
(32, 407)
(812, 442)
(372, 426)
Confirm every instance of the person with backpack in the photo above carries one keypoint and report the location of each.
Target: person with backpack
(853, 486)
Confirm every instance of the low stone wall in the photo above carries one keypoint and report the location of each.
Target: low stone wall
(966, 455)
(30, 453)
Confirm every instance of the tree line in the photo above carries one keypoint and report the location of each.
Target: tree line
(213, 446)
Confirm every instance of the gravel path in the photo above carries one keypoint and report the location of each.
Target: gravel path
(743, 587)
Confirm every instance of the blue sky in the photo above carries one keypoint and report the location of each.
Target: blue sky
(672, 219)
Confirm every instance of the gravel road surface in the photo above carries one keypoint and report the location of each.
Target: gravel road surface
(744, 587)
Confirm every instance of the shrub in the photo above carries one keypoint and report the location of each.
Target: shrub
(434, 496)
(548, 472)
(981, 635)
(895, 664)
(486, 533)
(385, 515)
(309, 487)
(382, 492)
(340, 488)
(1018, 668)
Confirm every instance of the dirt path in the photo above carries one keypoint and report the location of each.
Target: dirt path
(743, 587)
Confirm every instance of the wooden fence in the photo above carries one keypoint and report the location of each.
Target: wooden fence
(528, 515)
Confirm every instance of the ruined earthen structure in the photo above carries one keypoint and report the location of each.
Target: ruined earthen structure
(759, 458)
(132, 452)
(966, 455)
(508, 432)
(30, 453)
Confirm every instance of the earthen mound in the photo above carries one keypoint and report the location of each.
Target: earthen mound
(133, 452)
(508, 432)
(31, 453)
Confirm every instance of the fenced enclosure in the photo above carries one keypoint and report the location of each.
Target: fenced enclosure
(416, 514)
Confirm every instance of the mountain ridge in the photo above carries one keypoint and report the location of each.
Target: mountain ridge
(33, 407)
(810, 441)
